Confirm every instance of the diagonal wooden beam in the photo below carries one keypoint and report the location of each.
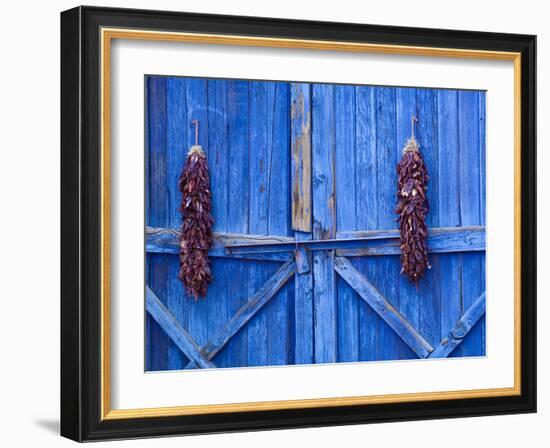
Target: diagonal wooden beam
(461, 329)
(382, 307)
(174, 330)
(247, 311)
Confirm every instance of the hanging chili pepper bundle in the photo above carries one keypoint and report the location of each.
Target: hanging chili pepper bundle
(196, 229)
(412, 208)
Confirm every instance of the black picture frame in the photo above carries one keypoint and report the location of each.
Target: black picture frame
(81, 224)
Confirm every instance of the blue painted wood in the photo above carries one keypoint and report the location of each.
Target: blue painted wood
(449, 212)
(429, 287)
(157, 190)
(378, 242)
(324, 223)
(237, 210)
(382, 307)
(461, 329)
(300, 128)
(171, 326)
(408, 293)
(176, 151)
(197, 109)
(149, 322)
(260, 102)
(483, 198)
(348, 243)
(366, 207)
(255, 303)
(279, 218)
(389, 345)
(217, 152)
(250, 131)
(470, 210)
(344, 129)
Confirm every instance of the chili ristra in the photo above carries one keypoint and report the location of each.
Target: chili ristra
(412, 208)
(196, 229)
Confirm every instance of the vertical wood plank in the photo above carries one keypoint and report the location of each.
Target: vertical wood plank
(483, 199)
(158, 210)
(429, 287)
(259, 141)
(366, 207)
(408, 293)
(176, 89)
(301, 157)
(449, 211)
(348, 303)
(387, 268)
(279, 218)
(301, 171)
(215, 307)
(149, 321)
(237, 271)
(197, 109)
(324, 222)
(470, 204)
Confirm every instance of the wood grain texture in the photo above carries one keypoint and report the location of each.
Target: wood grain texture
(382, 307)
(324, 223)
(174, 330)
(461, 329)
(254, 304)
(300, 126)
(264, 142)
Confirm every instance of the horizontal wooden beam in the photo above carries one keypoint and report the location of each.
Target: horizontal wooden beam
(174, 330)
(382, 307)
(166, 241)
(461, 329)
(385, 242)
(440, 240)
(247, 311)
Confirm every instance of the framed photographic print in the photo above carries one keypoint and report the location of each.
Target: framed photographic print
(274, 224)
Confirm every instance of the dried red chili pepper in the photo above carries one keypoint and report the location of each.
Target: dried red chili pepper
(196, 229)
(412, 208)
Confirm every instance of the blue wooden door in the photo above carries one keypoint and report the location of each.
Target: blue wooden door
(306, 256)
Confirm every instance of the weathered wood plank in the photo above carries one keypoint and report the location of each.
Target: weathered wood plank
(470, 210)
(408, 293)
(389, 345)
(198, 101)
(261, 98)
(158, 210)
(256, 302)
(382, 307)
(300, 129)
(214, 310)
(166, 241)
(174, 330)
(344, 129)
(430, 287)
(324, 224)
(464, 325)
(303, 311)
(279, 220)
(453, 239)
(238, 123)
(366, 208)
(300, 125)
(449, 199)
(176, 151)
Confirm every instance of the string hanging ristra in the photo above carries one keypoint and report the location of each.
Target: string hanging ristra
(412, 208)
(197, 221)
